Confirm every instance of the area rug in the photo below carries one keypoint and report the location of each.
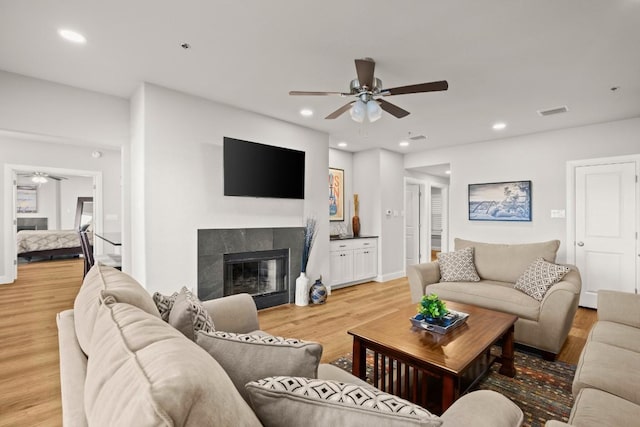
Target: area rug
(542, 389)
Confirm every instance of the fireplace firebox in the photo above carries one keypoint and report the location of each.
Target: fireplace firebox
(262, 274)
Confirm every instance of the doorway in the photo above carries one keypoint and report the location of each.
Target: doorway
(603, 223)
(12, 174)
(426, 216)
(436, 222)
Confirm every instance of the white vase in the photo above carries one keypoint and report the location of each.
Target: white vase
(302, 290)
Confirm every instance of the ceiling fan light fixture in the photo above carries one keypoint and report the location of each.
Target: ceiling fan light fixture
(358, 111)
(374, 112)
(39, 179)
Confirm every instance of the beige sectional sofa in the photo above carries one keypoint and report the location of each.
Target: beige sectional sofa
(606, 386)
(121, 364)
(543, 325)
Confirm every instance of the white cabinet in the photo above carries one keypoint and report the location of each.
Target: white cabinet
(353, 260)
(341, 266)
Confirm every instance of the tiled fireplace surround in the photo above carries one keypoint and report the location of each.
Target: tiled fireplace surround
(213, 244)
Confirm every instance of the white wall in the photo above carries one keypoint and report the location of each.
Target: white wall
(366, 184)
(343, 160)
(14, 151)
(379, 183)
(39, 107)
(178, 151)
(540, 158)
(392, 230)
(70, 190)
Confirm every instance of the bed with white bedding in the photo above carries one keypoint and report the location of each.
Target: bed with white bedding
(43, 243)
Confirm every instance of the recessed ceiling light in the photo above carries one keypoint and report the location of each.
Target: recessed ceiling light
(404, 143)
(305, 112)
(499, 126)
(447, 172)
(342, 144)
(72, 36)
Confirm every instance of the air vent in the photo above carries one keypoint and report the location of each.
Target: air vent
(552, 111)
(418, 138)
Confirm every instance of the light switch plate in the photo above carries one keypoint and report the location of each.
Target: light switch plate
(558, 213)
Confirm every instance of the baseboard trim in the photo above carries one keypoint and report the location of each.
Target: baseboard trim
(389, 276)
(6, 280)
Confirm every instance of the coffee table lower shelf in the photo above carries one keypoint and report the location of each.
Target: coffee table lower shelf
(430, 388)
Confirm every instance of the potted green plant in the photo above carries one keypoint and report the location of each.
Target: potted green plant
(431, 309)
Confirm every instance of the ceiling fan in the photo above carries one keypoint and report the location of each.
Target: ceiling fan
(367, 89)
(41, 177)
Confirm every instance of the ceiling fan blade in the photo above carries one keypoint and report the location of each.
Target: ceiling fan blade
(339, 111)
(57, 178)
(364, 69)
(301, 92)
(419, 88)
(392, 109)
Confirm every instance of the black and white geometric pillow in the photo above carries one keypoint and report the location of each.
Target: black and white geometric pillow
(258, 339)
(458, 266)
(344, 396)
(200, 317)
(164, 304)
(539, 277)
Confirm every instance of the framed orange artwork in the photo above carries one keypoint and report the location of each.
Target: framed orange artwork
(336, 194)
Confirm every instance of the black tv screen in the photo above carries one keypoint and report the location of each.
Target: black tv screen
(258, 170)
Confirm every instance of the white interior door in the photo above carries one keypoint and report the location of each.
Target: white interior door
(605, 236)
(412, 229)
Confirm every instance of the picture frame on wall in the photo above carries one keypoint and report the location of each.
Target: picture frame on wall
(500, 201)
(336, 194)
(27, 200)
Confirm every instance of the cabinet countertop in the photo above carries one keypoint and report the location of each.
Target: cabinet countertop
(352, 238)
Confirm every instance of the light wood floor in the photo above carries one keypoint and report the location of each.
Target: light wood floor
(29, 373)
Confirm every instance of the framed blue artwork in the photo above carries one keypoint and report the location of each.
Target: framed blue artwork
(500, 201)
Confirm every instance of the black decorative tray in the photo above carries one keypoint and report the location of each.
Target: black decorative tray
(452, 320)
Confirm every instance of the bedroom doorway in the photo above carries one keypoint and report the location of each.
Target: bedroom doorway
(39, 197)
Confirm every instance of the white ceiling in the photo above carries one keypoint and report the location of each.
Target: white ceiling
(503, 59)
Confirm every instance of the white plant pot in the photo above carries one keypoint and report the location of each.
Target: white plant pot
(302, 290)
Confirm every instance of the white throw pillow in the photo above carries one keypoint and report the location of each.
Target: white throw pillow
(539, 277)
(458, 266)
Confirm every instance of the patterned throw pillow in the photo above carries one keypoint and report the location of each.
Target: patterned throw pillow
(164, 304)
(539, 277)
(188, 315)
(293, 401)
(458, 266)
(248, 358)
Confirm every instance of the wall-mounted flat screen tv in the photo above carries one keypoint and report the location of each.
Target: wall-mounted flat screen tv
(259, 170)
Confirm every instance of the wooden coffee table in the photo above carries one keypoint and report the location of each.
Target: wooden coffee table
(427, 368)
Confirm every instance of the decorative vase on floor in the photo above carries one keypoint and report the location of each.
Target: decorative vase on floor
(302, 290)
(318, 292)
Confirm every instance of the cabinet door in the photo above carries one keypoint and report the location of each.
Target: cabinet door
(371, 262)
(341, 267)
(365, 263)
